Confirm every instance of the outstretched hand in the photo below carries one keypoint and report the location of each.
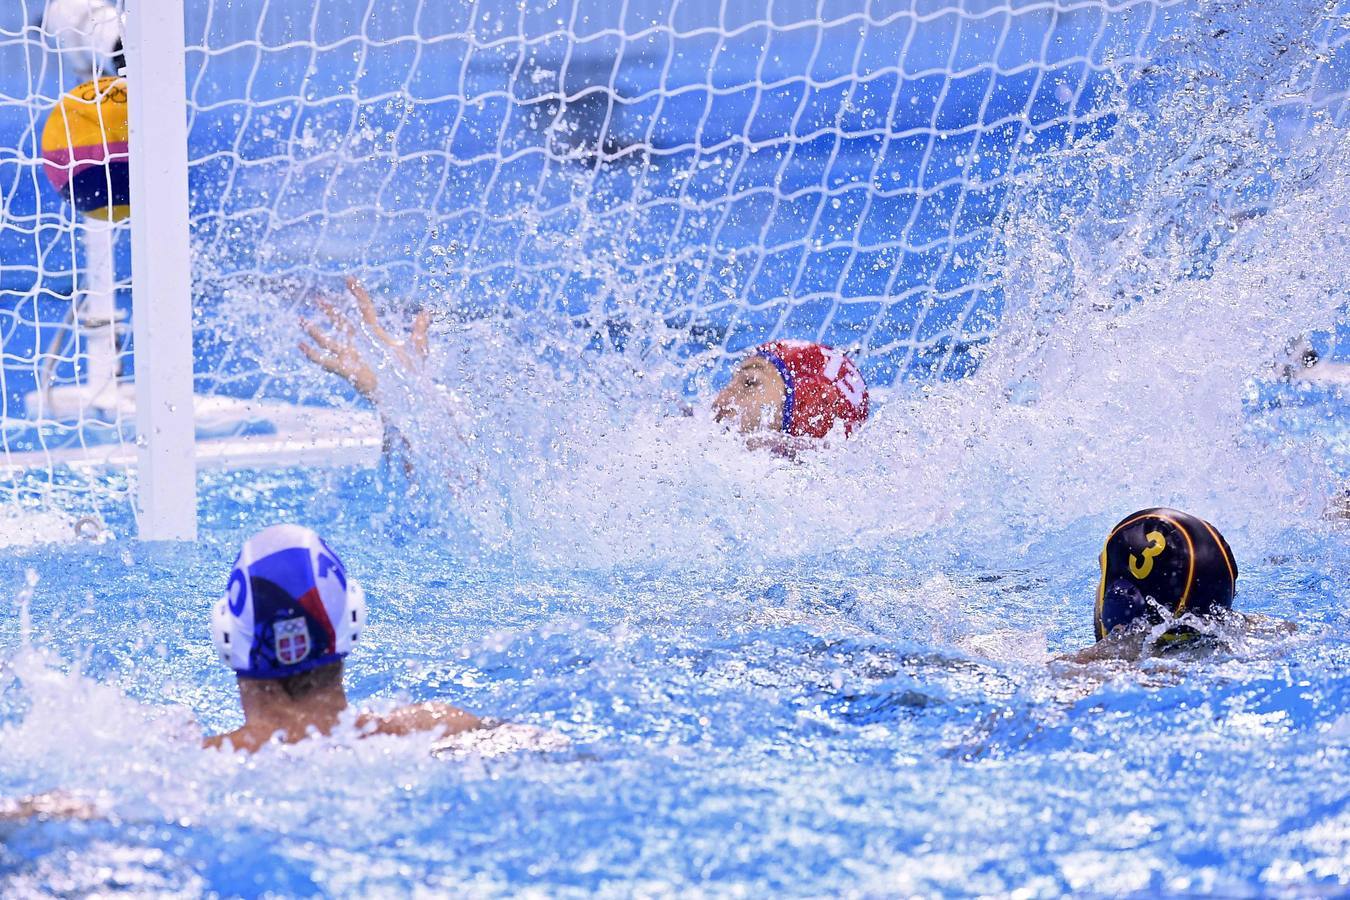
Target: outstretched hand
(338, 350)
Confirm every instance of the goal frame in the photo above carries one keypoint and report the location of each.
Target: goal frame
(161, 265)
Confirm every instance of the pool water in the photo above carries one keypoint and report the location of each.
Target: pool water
(878, 720)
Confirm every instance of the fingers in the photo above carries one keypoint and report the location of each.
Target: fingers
(321, 337)
(419, 333)
(367, 308)
(353, 371)
(371, 320)
(325, 360)
(335, 316)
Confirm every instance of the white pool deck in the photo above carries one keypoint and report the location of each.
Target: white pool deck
(296, 436)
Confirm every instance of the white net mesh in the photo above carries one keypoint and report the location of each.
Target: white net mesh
(703, 175)
(64, 282)
(815, 170)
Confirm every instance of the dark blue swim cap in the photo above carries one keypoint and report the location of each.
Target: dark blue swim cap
(1160, 562)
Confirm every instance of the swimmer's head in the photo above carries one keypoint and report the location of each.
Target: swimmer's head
(289, 606)
(1161, 563)
(753, 399)
(797, 387)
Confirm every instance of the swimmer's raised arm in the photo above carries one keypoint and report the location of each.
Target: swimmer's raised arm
(786, 395)
(338, 348)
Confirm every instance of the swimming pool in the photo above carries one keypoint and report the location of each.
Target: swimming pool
(872, 721)
(824, 676)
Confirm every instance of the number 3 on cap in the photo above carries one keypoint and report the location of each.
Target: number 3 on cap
(1157, 544)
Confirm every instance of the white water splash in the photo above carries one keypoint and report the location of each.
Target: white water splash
(1085, 406)
(1149, 278)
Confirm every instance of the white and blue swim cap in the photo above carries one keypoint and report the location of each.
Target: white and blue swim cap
(289, 606)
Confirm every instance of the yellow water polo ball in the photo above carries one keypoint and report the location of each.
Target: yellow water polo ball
(84, 148)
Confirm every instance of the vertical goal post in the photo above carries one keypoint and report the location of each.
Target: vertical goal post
(161, 265)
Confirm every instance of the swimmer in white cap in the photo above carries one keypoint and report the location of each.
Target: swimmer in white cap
(288, 618)
(785, 395)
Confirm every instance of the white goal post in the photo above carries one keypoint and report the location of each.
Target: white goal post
(730, 170)
(161, 262)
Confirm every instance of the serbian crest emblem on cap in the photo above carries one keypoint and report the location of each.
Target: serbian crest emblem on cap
(291, 637)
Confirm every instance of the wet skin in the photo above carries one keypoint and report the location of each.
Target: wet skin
(753, 399)
(751, 402)
(270, 714)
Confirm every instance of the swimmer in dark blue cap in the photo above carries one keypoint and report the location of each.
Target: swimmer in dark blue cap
(289, 616)
(1168, 580)
(1159, 565)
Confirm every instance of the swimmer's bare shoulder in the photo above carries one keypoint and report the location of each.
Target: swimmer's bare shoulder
(442, 718)
(216, 741)
(46, 806)
(1131, 645)
(245, 738)
(1263, 626)
(1125, 644)
(420, 717)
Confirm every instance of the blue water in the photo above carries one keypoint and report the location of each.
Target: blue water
(804, 727)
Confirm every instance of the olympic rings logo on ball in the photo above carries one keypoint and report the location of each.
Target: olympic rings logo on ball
(90, 93)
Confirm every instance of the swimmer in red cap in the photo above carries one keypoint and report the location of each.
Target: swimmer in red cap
(795, 388)
(794, 391)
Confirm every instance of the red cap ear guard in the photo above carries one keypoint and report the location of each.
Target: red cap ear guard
(824, 387)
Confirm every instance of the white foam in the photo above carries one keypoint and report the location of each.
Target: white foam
(1091, 402)
(28, 527)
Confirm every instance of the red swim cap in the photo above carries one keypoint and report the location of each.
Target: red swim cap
(823, 387)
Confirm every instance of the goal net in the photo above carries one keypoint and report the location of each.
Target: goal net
(733, 171)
